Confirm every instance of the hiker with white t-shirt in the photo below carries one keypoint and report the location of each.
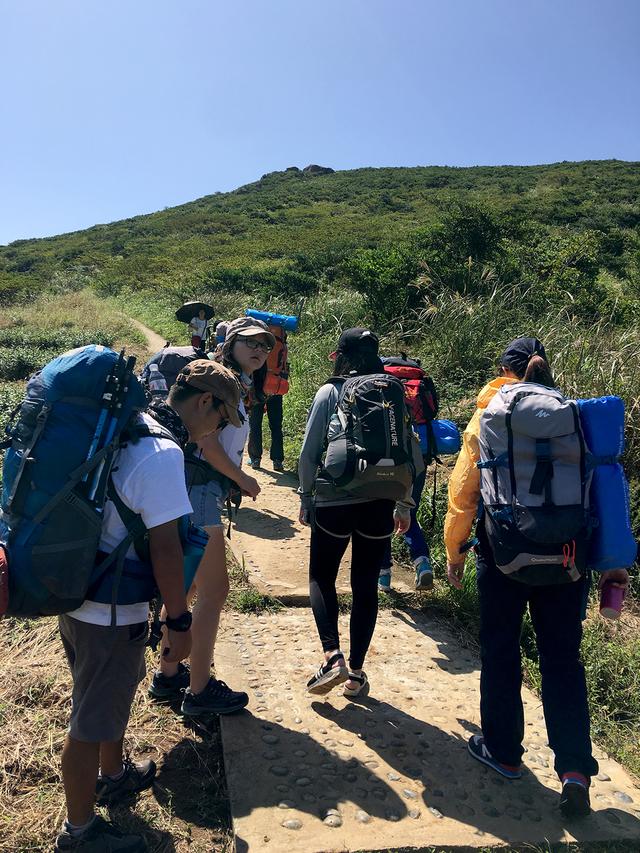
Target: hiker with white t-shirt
(245, 350)
(107, 662)
(198, 328)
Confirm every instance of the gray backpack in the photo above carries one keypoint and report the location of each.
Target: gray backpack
(534, 484)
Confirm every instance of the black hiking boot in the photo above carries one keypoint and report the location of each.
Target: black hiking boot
(216, 698)
(136, 777)
(167, 688)
(101, 837)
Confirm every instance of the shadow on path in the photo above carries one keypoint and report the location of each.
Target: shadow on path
(461, 789)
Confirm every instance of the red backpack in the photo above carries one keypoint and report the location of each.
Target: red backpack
(276, 382)
(420, 392)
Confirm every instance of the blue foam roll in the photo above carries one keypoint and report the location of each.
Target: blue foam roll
(287, 322)
(602, 421)
(612, 544)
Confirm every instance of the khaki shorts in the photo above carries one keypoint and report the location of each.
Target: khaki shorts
(107, 664)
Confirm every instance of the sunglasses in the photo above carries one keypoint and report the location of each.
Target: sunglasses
(257, 345)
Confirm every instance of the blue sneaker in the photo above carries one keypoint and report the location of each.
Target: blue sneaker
(424, 573)
(479, 751)
(255, 464)
(384, 580)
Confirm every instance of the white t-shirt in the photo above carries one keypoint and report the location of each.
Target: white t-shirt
(198, 326)
(149, 477)
(233, 439)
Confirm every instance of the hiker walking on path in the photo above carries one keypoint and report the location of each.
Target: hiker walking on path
(276, 385)
(555, 590)
(367, 513)
(422, 402)
(244, 352)
(106, 662)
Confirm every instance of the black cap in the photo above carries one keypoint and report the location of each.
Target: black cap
(356, 340)
(517, 355)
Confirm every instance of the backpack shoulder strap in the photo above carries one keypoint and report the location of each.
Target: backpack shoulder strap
(134, 432)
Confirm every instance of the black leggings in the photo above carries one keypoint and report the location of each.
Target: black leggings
(369, 526)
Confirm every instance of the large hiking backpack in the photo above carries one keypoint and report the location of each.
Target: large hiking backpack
(276, 382)
(369, 439)
(170, 361)
(419, 389)
(420, 397)
(56, 477)
(535, 484)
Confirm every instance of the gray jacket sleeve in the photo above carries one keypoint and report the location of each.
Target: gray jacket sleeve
(313, 443)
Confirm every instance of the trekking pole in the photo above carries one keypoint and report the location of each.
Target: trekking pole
(111, 420)
(104, 468)
(105, 404)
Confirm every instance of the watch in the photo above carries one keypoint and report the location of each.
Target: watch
(180, 623)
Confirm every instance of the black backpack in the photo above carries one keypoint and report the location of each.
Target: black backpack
(369, 440)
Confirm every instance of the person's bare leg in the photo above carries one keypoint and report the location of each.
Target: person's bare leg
(166, 668)
(111, 757)
(212, 585)
(80, 761)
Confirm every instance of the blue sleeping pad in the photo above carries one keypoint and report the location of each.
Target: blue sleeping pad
(612, 544)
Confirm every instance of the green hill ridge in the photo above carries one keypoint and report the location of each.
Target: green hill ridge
(291, 230)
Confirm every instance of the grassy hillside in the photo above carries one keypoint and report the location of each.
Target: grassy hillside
(290, 231)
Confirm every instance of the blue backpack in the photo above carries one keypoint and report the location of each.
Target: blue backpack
(56, 480)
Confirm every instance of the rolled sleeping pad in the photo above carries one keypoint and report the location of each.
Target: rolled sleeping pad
(612, 544)
(446, 435)
(288, 323)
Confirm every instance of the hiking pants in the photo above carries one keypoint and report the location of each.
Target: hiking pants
(274, 413)
(556, 614)
(414, 537)
(369, 527)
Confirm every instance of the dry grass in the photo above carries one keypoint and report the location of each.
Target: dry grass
(187, 810)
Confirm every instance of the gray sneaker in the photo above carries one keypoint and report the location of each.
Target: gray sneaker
(136, 778)
(101, 837)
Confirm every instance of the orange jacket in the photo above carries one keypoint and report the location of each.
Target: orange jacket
(464, 485)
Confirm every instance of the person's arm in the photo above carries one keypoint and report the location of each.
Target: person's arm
(167, 563)
(216, 456)
(313, 445)
(464, 495)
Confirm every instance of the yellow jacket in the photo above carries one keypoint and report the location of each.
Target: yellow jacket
(464, 485)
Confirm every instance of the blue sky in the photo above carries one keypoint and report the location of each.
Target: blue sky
(113, 108)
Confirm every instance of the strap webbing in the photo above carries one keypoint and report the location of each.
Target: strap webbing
(543, 472)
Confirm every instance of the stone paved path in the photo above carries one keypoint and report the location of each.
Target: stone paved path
(391, 770)
(273, 547)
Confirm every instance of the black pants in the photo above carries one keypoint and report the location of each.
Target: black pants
(369, 526)
(274, 413)
(556, 613)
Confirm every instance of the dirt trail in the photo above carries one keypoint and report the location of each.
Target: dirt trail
(155, 341)
(390, 770)
(274, 548)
